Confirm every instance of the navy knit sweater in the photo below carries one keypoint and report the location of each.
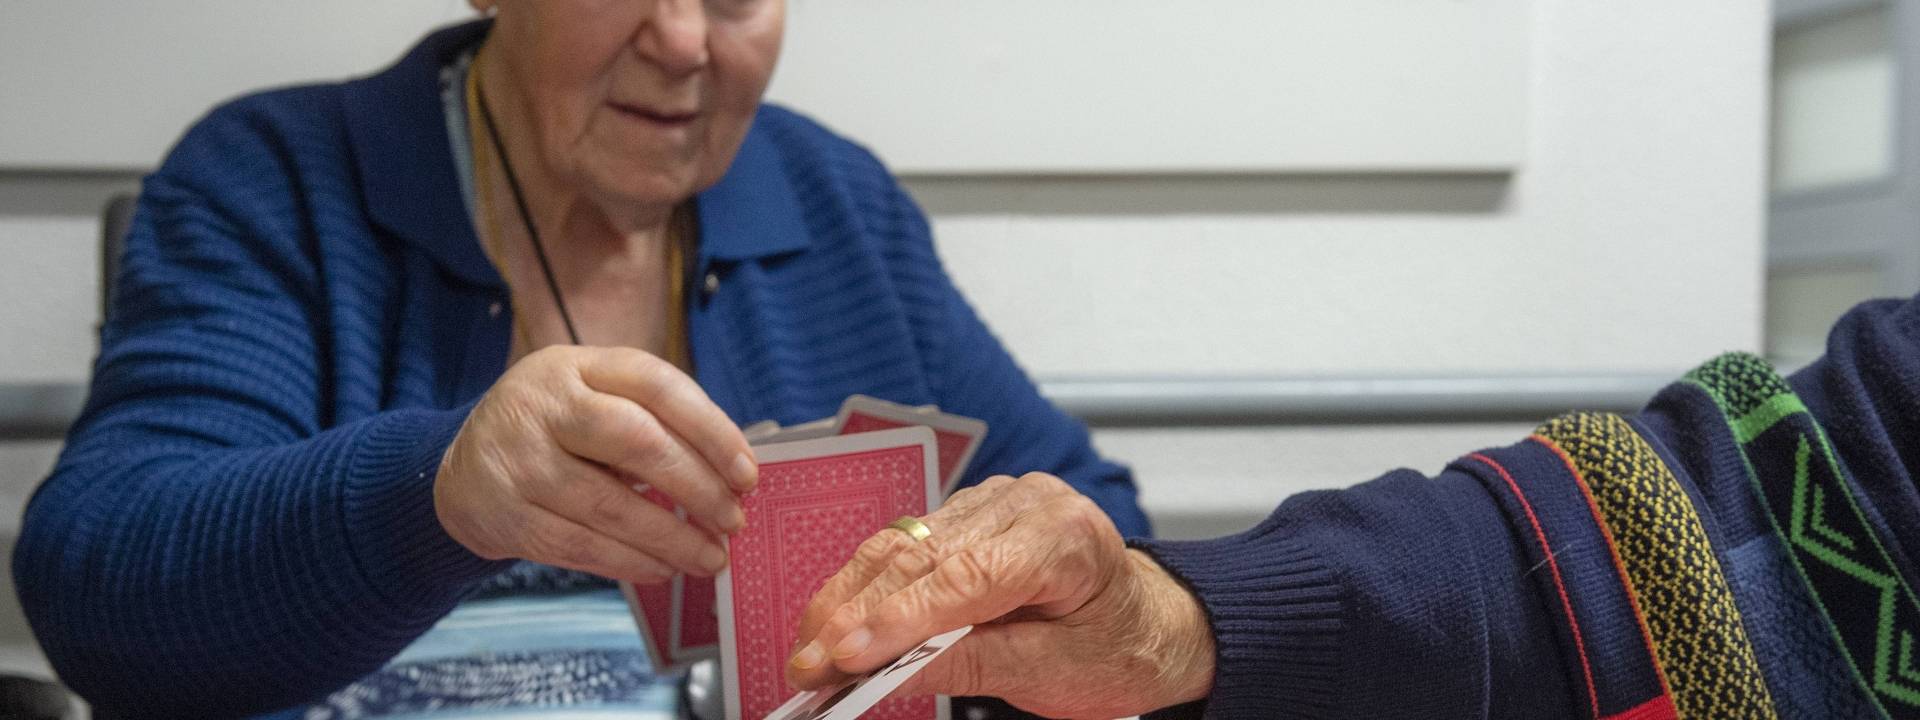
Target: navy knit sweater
(242, 520)
(1740, 548)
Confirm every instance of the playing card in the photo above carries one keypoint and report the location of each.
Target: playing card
(824, 427)
(759, 430)
(816, 502)
(652, 605)
(848, 700)
(958, 437)
(696, 621)
(688, 630)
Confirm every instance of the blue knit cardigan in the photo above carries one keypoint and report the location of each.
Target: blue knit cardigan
(242, 520)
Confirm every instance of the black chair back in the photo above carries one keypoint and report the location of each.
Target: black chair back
(23, 698)
(115, 219)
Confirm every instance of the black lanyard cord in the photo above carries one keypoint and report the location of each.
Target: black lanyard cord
(526, 218)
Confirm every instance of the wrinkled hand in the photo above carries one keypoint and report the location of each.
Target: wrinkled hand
(1070, 623)
(544, 467)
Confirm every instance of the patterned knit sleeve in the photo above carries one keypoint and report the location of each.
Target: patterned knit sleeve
(207, 543)
(1740, 548)
(1589, 571)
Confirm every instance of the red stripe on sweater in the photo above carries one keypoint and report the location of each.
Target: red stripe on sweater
(1659, 708)
(1633, 597)
(1553, 566)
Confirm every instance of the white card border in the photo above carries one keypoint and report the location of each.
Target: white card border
(755, 431)
(674, 585)
(942, 704)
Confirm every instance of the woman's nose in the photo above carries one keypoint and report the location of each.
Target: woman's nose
(675, 36)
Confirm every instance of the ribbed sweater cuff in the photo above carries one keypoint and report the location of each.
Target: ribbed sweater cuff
(401, 548)
(1276, 613)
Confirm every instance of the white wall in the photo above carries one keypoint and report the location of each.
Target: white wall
(1630, 240)
(987, 86)
(98, 84)
(1017, 86)
(1833, 102)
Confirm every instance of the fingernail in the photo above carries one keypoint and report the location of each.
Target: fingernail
(745, 472)
(810, 656)
(714, 558)
(854, 643)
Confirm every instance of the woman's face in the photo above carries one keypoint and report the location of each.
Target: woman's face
(635, 100)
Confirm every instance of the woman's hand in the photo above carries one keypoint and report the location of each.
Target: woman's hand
(1070, 623)
(545, 466)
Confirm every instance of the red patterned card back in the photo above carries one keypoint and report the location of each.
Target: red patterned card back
(805, 520)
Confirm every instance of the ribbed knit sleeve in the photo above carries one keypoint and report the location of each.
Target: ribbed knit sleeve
(1275, 609)
(212, 542)
(1404, 597)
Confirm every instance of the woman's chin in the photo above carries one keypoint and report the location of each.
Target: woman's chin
(646, 186)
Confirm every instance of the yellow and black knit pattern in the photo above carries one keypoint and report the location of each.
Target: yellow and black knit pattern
(1683, 598)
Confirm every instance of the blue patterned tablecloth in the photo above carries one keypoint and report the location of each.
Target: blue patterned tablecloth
(570, 656)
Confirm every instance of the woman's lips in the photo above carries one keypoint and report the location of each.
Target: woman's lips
(664, 118)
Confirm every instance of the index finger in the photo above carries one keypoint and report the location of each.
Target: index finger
(876, 555)
(869, 560)
(680, 404)
(975, 585)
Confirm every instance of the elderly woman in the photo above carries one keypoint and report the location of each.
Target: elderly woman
(374, 341)
(1743, 547)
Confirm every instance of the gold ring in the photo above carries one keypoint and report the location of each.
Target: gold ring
(912, 527)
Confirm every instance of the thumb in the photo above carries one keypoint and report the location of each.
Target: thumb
(998, 660)
(1023, 568)
(965, 668)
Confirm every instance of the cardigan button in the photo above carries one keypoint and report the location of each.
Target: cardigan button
(712, 284)
(493, 311)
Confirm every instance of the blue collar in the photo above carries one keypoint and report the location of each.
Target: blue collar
(398, 134)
